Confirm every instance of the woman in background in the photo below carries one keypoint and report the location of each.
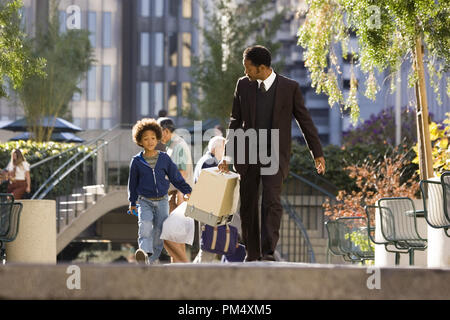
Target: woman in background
(19, 175)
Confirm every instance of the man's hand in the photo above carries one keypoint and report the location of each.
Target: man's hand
(223, 166)
(187, 196)
(320, 165)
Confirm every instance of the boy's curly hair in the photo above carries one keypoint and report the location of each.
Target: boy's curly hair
(143, 125)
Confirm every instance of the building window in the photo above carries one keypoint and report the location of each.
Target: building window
(92, 123)
(77, 94)
(144, 97)
(186, 50)
(145, 48)
(158, 97)
(173, 88)
(62, 21)
(173, 50)
(91, 84)
(22, 15)
(159, 49)
(159, 8)
(144, 9)
(187, 8)
(77, 122)
(92, 28)
(107, 26)
(106, 123)
(174, 6)
(106, 83)
(185, 90)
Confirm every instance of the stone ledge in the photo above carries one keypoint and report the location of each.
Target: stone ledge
(251, 281)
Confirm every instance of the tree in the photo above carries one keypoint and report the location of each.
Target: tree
(389, 33)
(69, 57)
(230, 29)
(16, 61)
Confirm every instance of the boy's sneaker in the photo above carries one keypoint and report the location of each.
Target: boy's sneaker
(141, 256)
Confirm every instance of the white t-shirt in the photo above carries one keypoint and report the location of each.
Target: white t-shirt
(20, 170)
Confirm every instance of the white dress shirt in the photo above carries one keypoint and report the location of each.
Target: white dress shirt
(269, 81)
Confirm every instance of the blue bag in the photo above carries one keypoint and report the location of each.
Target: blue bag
(220, 239)
(237, 256)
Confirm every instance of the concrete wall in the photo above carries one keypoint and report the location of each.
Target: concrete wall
(111, 201)
(256, 280)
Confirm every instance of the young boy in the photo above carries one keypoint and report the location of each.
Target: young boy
(147, 184)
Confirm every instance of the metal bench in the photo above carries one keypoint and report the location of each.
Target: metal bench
(397, 227)
(9, 221)
(438, 195)
(340, 232)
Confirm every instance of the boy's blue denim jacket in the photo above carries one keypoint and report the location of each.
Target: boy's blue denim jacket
(152, 183)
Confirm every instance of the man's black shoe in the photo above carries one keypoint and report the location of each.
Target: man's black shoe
(247, 259)
(268, 257)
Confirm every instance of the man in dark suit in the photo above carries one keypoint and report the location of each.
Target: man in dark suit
(264, 102)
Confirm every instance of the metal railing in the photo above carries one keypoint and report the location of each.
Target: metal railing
(303, 219)
(81, 179)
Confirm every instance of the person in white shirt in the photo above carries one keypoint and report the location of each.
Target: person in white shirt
(18, 174)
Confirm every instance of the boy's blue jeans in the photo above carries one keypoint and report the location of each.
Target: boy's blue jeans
(151, 215)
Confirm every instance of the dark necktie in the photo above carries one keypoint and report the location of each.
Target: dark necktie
(262, 87)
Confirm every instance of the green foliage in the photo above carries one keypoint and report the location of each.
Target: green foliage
(387, 32)
(337, 159)
(230, 28)
(69, 56)
(37, 151)
(360, 238)
(380, 129)
(439, 136)
(16, 60)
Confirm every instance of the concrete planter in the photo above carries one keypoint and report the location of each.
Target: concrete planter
(36, 240)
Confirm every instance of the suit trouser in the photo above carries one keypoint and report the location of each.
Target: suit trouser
(260, 241)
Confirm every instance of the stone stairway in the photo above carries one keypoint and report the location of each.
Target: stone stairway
(71, 206)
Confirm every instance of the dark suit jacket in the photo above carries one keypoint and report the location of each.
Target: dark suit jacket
(288, 102)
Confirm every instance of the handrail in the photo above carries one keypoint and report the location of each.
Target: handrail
(74, 147)
(41, 196)
(54, 174)
(302, 228)
(314, 186)
(314, 218)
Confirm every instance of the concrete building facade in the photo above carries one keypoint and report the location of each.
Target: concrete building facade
(159, 39)
(98, 105)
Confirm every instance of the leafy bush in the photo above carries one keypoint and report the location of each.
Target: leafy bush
(376, 177)
(439, 135)
(361, 239)
(336, 160)
(37, 151)
(380, 129)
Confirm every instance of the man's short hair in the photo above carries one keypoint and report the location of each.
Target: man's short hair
(162, 113)
(258, 55)
(166, 123)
